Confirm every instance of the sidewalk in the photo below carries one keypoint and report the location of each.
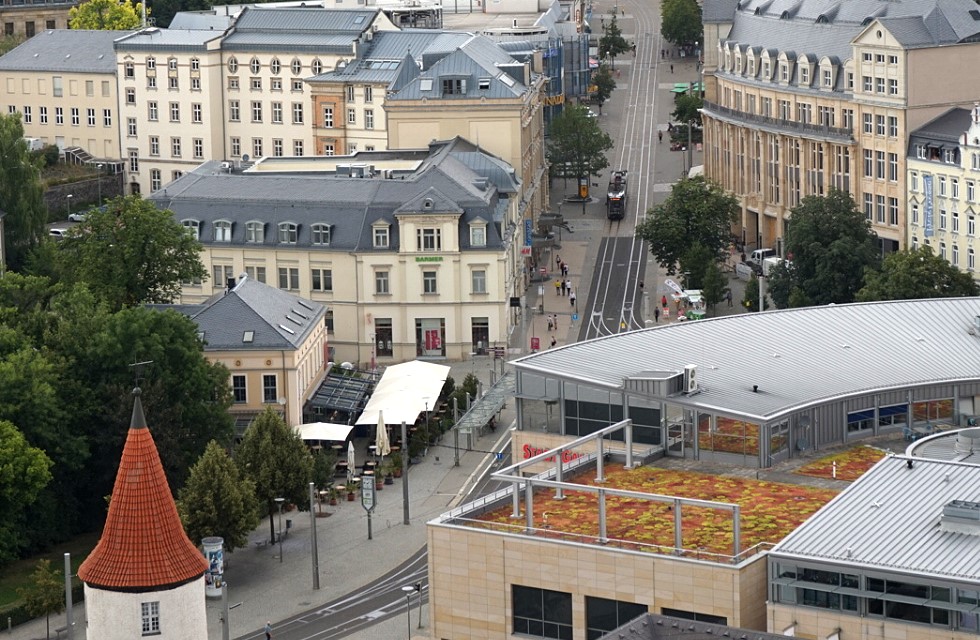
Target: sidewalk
(270, 590)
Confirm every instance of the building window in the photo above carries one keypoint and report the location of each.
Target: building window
(954, 185)
(156, 181)
(478, 235)
(256, 111)
(43, 114)
(942, 185)
(893, 211)
(59, 115)
(134, 160)
(194, 227)
(254, 66)
(298, 148)
(131, 127)
(893, 126)
(869, 205)
(892, 87)
(970, 260)
(321, 234)
(174, 112)
(129, 70)
(971, 191)
(232, 65)
(222, 231)
(173, 82)
(381, 284)
(880, 164)
(351, 148)
(27, 115)
(381, 237)
(368, 93)
(236, 147)
(880, 209)
(270, 391)
(298, 86)
(175, 147)
(238, 389)
(234, 111)
(106, 116)
(196, 113)
(943, 219)
(297, 113)
(276, 113)
(867, 83)
(256, 273)
(429, 282)
(351, 116)
(971, 226)
(328, 117)
(288, 232)
(428, 239)
(879, 85)
(828, 78)
(868, 123)
(915, 214)
(195, 84)
(289, 278)
(195, 64)
(150, 613)
(296, 66)
(277, 147)
(880, 125)
(383, 337)
(349, 90)
(322, 279)
(542, 613)
(603, 615)
(868, 163)
(479, 278)
(893, 167)
(233, 83)
(956, 222)
(328, 149)
(198, 148)
(956, 256)
(804, 75)
(76, 118)
(920, 151)
(254, 232)
(369, 118)
(256, 147)
(275, 84)
(316, 67)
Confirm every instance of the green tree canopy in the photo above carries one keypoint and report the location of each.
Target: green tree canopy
(20, 193)
(913, 274)
(45, 594)
(687, 109)
(276, 459)
(713, 285)
(577, 143)
(106, 15)
(132, 253)
(217, 500)
(24, 472)
(831, 244)
(612, 41)
(750, 301)
(604, 84)
(681, 21)
(696, 212)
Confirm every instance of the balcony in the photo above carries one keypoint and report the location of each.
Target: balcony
(778, 125)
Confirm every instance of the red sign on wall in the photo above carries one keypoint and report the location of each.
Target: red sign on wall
(433, 340)
(535, 344)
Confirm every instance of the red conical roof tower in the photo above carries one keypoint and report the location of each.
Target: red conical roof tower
(143, 545)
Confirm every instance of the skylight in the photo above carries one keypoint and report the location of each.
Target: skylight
(507, 80)
(287, 330)
(425, 84)
(248, 336)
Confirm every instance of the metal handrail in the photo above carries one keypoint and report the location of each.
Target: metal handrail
(821, 130)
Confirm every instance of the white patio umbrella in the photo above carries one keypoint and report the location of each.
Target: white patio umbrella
(350, 461)
(383, 447)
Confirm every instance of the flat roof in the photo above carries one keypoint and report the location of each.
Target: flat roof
(795, 357)
(889, 520)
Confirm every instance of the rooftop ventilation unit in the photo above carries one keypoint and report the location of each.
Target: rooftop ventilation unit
(961, 516)
(691, 378)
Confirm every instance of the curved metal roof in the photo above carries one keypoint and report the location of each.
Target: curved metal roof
(796, 357)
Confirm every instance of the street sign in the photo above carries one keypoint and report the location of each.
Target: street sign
(367, 493)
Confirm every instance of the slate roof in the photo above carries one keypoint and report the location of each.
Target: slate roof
(167, 39)
(201, 20)
(889, 519)
(143, 545)
(294, 20)
(797, 357)
(944, 130)
(277, 319)
(792, 24)
(65, 50)
(349, 205)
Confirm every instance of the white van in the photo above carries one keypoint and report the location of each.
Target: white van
(761, 254)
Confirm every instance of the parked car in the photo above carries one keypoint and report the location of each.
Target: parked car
(77, 216)
(57, 234)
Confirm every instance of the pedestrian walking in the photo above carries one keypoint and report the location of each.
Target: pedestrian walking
(553, 341)
(672, 68)
(564, 287)
(564, 269)
(558, 284)
(268, 630)
(728, 297)
(656, 314)
(571, 297)
(568, 285)
(554, 321)
(663, 301)
(558, 260)
(551, 325)
(641, 286)
(660, 136)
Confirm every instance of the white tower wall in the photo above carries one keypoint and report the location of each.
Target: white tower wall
(117, 615)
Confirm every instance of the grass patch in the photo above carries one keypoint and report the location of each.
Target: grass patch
(17, 575)
(851, 464)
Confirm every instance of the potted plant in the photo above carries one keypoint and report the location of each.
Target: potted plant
(386, 472)
(333, 493)
(351, 487)
(379, 481)
(396, 462)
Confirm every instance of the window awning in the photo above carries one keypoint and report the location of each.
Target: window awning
(324, 431)
(404, 392)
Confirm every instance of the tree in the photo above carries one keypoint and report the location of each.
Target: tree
(106, 15)
(713, 285)
(914, 274)
(612, 43)
(45, 594)
(604, 85)
(20, 193)
(24, 472)
(324, 464)
(831, 244)
(681, 21)
(751, 298)
(277, 460)
(576, 145)
(132, 253)
(696, 212)
(217, 500)
(687, 109)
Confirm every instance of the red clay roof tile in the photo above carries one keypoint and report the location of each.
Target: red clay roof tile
(143, 545)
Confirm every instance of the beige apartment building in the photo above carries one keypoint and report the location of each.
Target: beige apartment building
(29, 19)
(273, 342)
(413, 252)
(801, 98)
(943, 176)
(63, 83)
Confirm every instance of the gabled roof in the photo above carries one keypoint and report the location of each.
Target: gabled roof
(255, 316)
(143, 545)
(65, 50)
(430, 201)
(154, 39)
(889, 519)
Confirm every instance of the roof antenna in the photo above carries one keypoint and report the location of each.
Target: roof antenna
(138, 370)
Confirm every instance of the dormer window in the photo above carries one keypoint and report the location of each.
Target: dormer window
(254, 232)
(828, 78)
(784, 72)
(222, 231)
(382, 236)
(321, 234)
(288, 232)
(484, 84)
(194, 226)
(428, 239)
(738, 63)
(478, 234)
(767, 70)
(453, 86)
(751, 64)
(804, 75)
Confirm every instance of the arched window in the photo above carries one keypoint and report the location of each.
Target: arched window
(194, 226)
(254, 232)
(288, 232)
(321, 234)
(222, 231)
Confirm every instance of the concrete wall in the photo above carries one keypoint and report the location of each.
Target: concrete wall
(114, 615)
(811, 622)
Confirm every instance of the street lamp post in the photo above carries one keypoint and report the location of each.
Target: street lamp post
(68, 200)
(279, 502)
(408, 590)
(99, 167)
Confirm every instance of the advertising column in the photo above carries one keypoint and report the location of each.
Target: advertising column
(215, 555)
